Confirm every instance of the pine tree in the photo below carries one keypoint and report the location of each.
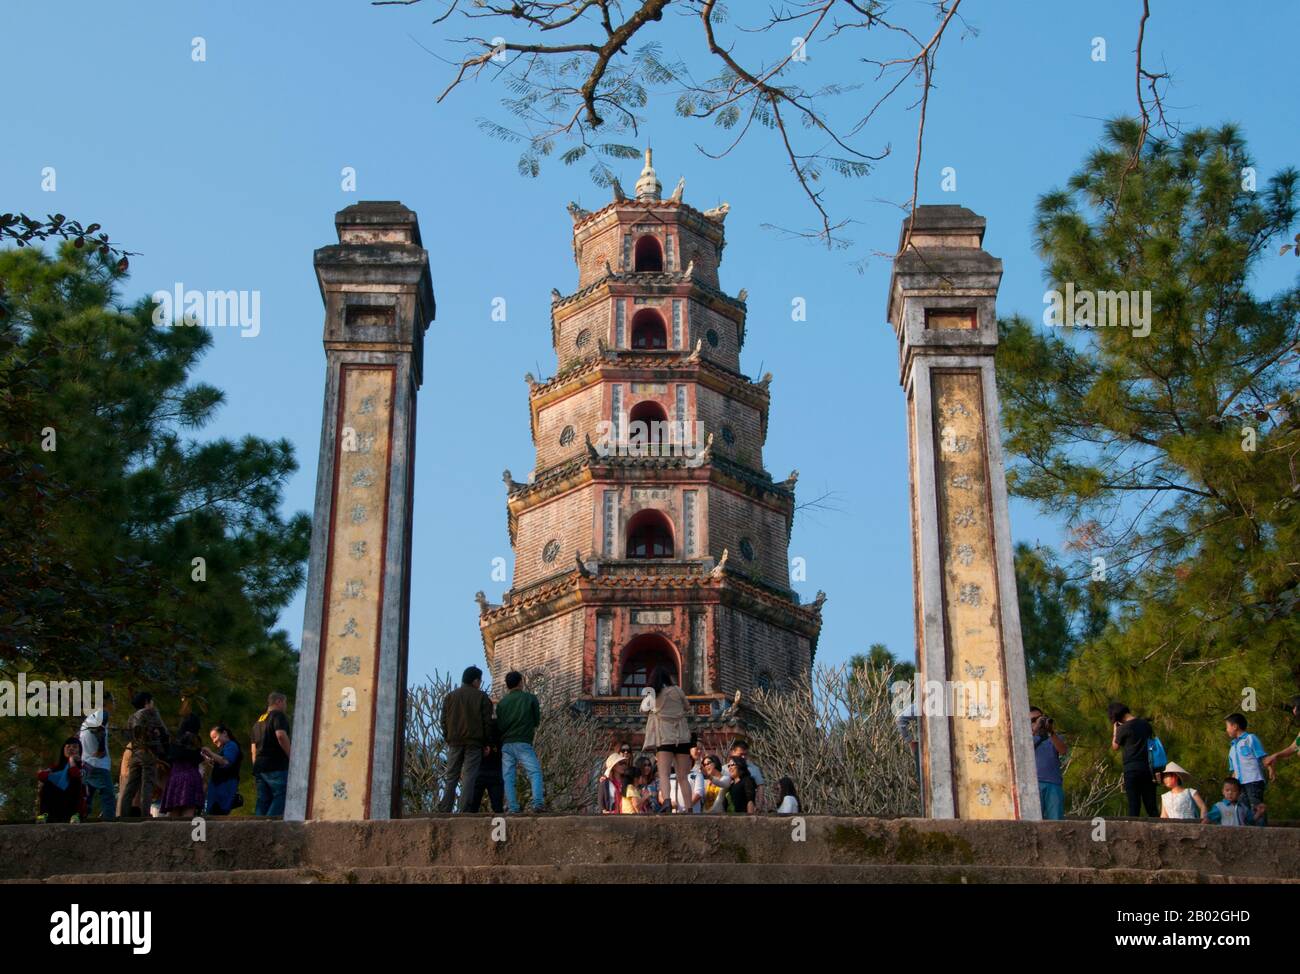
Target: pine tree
(108, 502)
(1173, 455)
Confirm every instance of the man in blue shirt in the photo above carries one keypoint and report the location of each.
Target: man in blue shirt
(1244, 761)
(1048, 749)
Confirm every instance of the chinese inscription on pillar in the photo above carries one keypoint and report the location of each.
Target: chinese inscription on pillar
(350, 641)
(983, 782)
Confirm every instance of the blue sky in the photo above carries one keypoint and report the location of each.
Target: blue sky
(226, 174)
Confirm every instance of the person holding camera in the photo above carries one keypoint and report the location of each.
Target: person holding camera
(1132, 735)
(1048, 751)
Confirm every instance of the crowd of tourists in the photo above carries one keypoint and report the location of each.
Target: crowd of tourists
(161, 775)
(673, 772)
(487, 744)
(1146, 766)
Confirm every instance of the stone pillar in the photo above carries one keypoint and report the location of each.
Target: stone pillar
(976, 747)
(346, 760)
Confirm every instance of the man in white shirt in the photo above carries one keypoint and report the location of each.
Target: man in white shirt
(97, 763)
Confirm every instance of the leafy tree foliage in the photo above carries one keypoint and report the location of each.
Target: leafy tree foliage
(109, 502)
(1057, 613)
(879, 659)
(1172, 455)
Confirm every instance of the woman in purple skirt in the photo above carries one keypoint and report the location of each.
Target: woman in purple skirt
(184, 794)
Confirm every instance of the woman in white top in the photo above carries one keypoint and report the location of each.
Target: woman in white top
(789, 799)
(1180, 802)
(667, 732)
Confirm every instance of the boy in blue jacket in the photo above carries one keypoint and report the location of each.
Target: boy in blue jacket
(1245, 755)
(1233, 810)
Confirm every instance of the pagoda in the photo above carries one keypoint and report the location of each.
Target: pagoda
(649, 533)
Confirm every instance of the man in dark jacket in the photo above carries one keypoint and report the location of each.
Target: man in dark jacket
(466, 720)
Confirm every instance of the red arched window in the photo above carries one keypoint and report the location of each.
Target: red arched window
(649, 254)
(648, 330)
(647, 427)
(640, 658)
(648, 411)
(649, 535)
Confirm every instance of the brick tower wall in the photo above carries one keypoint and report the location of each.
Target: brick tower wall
(727, 351)
(554, 643)
(748, 646)
(569, 519)
(582, 411)
(732, 518)
(715, 411)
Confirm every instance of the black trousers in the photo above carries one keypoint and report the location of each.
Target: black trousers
(496, 793)
(1141, 790)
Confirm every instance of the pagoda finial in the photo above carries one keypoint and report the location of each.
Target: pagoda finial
(648, 186)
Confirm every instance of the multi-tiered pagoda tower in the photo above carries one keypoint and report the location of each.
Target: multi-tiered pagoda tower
(649, 532)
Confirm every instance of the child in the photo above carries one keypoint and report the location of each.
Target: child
(1244, 754)
(62, 795)
(1233, 810)
(632, 801)
(1178, 801)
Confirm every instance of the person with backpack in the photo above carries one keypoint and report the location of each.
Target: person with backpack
(1134, 737)
(97, 761)
(223, 787)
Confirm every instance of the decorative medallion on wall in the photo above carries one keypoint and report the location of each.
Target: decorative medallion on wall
(551, 551)
(728, 436)
(747, 549)
(583, 338)
(711, 337)
(566, 435)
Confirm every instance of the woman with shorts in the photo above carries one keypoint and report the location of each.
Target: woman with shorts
(667, 732)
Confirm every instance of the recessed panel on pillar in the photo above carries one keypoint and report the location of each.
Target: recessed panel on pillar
(984, 776)
(354, 578)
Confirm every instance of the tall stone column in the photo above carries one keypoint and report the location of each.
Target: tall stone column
(976, 747)
(347, 730)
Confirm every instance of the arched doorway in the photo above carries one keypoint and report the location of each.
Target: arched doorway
(640, 658)
(649, 254)
(649, 535)
(649, 330)
(647, 428)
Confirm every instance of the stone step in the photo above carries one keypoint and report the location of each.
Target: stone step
(470, 842)
(703, 874)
